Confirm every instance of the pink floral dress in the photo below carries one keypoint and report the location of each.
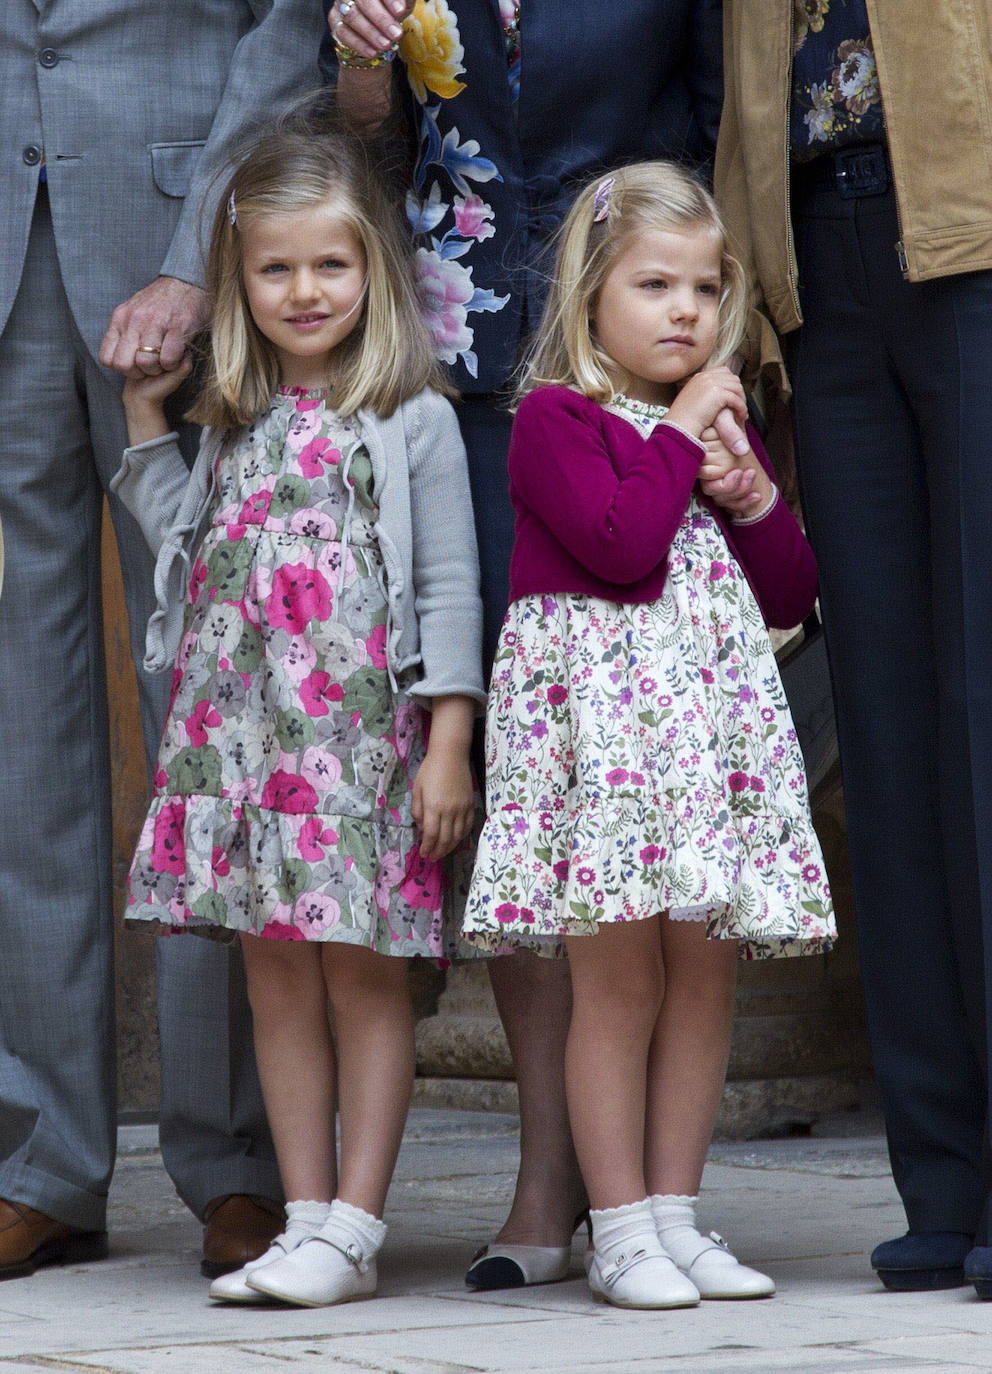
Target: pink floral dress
(282, 802)
(641, 758)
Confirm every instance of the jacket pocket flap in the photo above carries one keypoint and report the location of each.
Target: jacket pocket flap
(173, 165)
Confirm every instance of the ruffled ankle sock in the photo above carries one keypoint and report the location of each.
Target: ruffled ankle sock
(675, 1221)
(629, 1268)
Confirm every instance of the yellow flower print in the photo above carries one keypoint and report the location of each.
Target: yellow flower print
(432, 50)
(810, 15)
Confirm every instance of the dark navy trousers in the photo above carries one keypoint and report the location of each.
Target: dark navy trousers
(893, 388)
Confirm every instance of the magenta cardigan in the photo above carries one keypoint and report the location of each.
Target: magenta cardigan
(597, 506)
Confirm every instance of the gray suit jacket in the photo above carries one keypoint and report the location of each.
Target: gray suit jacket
(130, 103)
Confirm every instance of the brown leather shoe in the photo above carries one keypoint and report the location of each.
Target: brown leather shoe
(29, 1239)
(239, 1227)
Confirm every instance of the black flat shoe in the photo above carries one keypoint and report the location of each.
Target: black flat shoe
(521, 1266)
(924, 1261)
(978, 1270)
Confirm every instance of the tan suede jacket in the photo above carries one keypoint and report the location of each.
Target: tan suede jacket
(935, 71)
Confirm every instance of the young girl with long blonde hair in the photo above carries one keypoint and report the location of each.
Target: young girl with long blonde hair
(647, 804)
(302, 805)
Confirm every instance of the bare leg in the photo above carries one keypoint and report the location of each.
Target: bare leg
(534, 999)
(689, 1053)
(373, 1015)
(296, 1063)
(617, 985)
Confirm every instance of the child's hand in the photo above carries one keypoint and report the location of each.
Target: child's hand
(144, 398)
(443, 801)
(739, 484)
(703, 397)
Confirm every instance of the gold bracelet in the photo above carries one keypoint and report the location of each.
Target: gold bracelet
(347, 57)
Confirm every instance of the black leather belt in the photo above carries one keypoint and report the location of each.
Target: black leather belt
(862, 170)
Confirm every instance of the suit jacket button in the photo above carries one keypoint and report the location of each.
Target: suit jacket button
(48, 57)
(32, 155)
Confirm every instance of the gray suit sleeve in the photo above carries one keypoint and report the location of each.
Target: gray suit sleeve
(275, 60)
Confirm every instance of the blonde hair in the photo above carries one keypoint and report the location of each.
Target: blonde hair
(310, 157)
(644, 195)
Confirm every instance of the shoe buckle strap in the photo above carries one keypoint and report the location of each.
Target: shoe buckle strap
(619, 1265)
(345, 1245)
(719, 1241)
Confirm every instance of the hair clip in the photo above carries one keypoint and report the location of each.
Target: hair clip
(232, 212)
(601, 203)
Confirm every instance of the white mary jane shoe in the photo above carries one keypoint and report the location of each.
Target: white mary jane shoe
(718, 1274)
(640, 1275)
(233, 1287)
(335, 1265)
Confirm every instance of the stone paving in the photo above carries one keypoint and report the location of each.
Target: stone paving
(808, 1211)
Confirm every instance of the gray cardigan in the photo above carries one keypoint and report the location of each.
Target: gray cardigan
(425, 531)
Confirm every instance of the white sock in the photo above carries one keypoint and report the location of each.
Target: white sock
(310, 1213)
(368, 1228)
(616, 1226)
(675, 1220)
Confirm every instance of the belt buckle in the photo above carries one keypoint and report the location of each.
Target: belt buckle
(861, 172)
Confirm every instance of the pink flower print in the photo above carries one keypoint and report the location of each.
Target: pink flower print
(304, 427)
(539, 729)
(278, 930)
(203, 717)
(472, 218)
(312, 837)
(506, 914)
(313, 524)
(316, 912)
(375, 646)
(650, 854)
(406, 720)
(616, 776)
(586, 877)
(717, 570)
(389, 875)
(197, 578)
(256, 508)
(299, 659)
(810, 873)
(557, 694)
(738, 782)
(320, 450)
(289, 793)
(560, 870)
(757, 785)
(317, 690)
(423, 885)
(219, 862)
(637, 779)
(446, 287)
(299, 595)
(526, 915)
(168, 843)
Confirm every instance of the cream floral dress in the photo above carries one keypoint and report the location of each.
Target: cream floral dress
(641, 758)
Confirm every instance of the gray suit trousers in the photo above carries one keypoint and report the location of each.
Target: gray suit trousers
(61, 437)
